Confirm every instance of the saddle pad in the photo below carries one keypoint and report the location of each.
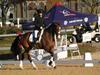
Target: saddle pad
(31, 37)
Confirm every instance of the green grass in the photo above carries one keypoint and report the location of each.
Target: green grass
(6, 42)
(86, 48)
(5, 52)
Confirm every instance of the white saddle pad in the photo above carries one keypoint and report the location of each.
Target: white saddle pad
(31, 38)
(32, 35)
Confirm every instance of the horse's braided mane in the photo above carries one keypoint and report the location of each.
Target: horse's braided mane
(50, 29)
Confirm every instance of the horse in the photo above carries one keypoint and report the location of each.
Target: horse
(47, 43)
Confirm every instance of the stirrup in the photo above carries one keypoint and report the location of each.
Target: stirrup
(37, 41)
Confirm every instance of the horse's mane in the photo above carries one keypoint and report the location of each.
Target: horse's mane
(51, 29)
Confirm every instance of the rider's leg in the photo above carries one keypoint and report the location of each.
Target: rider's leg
(35, 35)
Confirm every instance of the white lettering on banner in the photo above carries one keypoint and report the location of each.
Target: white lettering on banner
(73, 21)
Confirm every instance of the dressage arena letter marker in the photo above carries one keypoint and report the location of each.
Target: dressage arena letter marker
(88, 56)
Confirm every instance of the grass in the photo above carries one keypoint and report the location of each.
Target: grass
(87, 47)
(6, 42)
(5, 52)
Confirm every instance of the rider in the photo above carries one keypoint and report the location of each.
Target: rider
(39, 25)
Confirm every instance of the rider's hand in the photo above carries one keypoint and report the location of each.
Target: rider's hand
(33, 19)
(41, 27)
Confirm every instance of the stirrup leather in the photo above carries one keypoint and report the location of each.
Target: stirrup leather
(40, 37)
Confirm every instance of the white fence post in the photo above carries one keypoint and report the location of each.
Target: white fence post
(18, 22)
(88, 57)
(0, 24)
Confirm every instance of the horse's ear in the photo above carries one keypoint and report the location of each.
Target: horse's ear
(58, 24)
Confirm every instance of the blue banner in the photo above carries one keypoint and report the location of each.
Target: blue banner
(67, 17)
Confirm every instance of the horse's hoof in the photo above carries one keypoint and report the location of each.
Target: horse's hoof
(1, 66)
(49, 66)
(36, 68)
(54, 67)
(21, 68)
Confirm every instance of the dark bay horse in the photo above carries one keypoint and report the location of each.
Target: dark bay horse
(47, 43)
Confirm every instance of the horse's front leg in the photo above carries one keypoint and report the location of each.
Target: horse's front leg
(51, 62)
(30, 59)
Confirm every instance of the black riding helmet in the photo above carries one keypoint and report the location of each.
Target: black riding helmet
(39, 11)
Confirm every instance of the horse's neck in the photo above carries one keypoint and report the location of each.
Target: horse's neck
(50, 31)
(26, 35)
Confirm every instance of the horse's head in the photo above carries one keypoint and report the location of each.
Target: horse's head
(57, 29)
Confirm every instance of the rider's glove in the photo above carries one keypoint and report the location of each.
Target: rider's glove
(33, 19)
(41, 27)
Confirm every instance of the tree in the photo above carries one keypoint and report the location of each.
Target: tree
(91, 6)
(5, 4)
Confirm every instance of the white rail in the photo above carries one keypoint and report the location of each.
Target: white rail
(7, 35)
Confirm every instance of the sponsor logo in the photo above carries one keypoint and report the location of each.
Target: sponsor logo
(85, 19)
(65, 22)
(67, 13)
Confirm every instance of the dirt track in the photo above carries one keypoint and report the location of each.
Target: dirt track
(43, 70)
(68, 69)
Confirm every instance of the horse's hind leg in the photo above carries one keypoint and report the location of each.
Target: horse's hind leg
(17, 57)
(33, 64)
(21, 57)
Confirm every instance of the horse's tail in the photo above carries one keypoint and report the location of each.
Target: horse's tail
(15, 46)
